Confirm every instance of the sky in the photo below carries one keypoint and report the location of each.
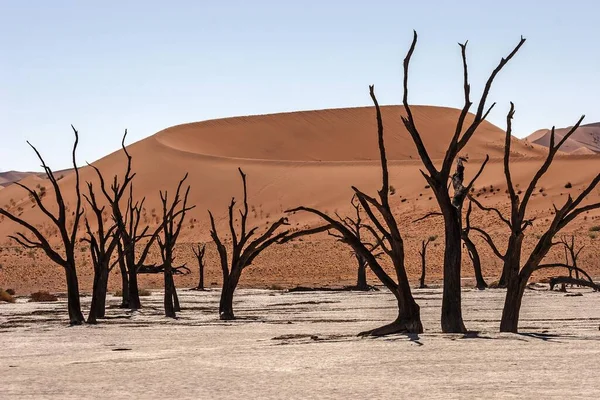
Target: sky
(147, 65)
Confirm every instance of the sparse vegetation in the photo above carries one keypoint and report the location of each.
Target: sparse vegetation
(42, 297)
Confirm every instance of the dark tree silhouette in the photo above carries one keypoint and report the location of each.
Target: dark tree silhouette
(451, 206)
(518, 275)
(571, 256)
(472, 250)
(129, 230)
(199, 252)
(356, 226)
(68, 235)
(103, 244)
(172, 221)
(246, 245)
(389, 240)
(423, 254)
(571, 253)
(136, 243)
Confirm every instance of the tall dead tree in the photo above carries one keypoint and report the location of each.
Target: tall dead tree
(472, 250)
(172, 221)
(67, 234)
(518, 275)
(451, 206)
(199, 252)
(423, 254)
(246, 245)
(137, 241)
(114, 196)
(385, 230)
(103, 244)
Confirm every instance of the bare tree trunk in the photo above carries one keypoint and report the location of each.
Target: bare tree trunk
(100, 287)
(476, 260)
(422, 284)
(226, 302)
(168, 297)
(124, 284)
(361, 279)
(176, 305)
(73, 303)
(201, 279)
(452, 321)
(134, 294)
(512, 305)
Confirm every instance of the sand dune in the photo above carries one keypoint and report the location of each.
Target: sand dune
(303, 158)
(585, 137)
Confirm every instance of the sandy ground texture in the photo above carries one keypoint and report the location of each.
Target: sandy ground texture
(303, 345)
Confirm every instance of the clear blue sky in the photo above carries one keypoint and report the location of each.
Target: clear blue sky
(146, 65)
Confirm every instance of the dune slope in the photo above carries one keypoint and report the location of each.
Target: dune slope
(303, 158)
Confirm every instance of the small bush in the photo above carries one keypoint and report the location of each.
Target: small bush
(11, 292)
(275, 287)
(144, 293)
(392, 190)
(42, 297)
(568, 185)
(595, 228)
(592, 235)
(6, 297)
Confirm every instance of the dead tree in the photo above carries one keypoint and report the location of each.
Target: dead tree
(103, 244)
(572, 253)
(172, 221)
(137, 242)
(451, 206)
(246, 245)
(518, 275)
(569, 280)
(472, 250)
(356, 226)
(199, 252)
(114, 196)
(423, 254)
(389, 239)
(67, 234)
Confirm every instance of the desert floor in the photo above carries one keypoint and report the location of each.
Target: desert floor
(303, 345)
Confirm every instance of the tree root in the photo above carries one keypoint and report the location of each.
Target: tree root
(398, 326)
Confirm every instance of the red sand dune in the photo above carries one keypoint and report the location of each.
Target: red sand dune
(303, 158)
(585, 140)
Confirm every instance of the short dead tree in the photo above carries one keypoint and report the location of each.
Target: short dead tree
(199, 252)
(423, 254)
(387, 234)
(246, 245)
(518, 274)
(571, 256)
(67, 231)
(355, 224)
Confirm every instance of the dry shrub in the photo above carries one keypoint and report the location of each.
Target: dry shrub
(6, 297)
(42, 297)
(144, 292)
